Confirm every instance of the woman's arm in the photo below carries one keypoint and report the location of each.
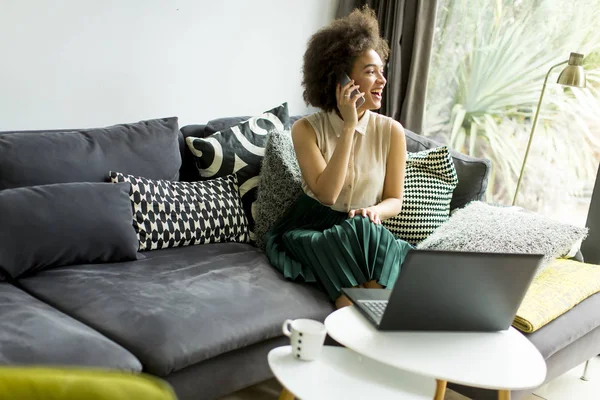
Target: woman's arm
(326, 179)
(393, 186)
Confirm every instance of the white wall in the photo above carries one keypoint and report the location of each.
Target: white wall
(91, 63)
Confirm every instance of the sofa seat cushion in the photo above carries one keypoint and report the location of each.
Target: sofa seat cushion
(181, 306)
(568, 328)
(35, 333)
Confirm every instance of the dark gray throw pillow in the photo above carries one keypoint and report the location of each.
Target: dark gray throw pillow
(65, 224)
(147, 148)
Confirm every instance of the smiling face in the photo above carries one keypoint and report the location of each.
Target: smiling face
(367, 72)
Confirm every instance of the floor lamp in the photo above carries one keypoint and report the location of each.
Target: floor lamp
(572, 75)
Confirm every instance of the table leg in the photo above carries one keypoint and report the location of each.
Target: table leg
(286, 395)
(503, 394)
(440, 390)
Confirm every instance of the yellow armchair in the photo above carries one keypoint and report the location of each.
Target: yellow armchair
(33, 383)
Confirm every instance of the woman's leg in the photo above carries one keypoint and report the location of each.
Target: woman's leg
(373, 285)
(342, 302)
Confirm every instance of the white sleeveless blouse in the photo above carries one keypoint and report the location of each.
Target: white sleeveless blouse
(367, 166)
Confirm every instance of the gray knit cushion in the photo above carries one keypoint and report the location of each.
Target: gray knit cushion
(483, 227)
(280, 183)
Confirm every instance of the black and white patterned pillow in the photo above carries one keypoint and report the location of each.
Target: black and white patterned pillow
(429, 182)
(239, 150)
(172, 214)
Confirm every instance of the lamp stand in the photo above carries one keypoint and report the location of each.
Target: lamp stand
(537, 111)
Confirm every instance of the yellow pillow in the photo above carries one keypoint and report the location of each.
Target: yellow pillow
(33, 383)
(557, 289)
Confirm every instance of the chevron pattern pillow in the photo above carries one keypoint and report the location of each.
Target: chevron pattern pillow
(429, 182)
(239, 150)
(172, 214)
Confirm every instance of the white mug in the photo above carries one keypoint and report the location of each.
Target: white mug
(306, 336)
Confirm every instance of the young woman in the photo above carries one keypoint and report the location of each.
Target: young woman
(352, 162)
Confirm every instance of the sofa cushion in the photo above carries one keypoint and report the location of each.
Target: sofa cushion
(219, 124)
(239, 150)
(147, 148)
(472, 172)
(429, 182)
(181, 306)
(32, 332)
(63, 224)
(280, 184)
(173, 214)
(482, 227)
(568, 328)
(189, 172)
(562, 285)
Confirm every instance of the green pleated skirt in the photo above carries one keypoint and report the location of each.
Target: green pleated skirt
(313, 243)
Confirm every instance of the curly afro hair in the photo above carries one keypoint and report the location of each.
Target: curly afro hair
(333, 50)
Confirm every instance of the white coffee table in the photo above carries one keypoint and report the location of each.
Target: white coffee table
(340, 373)
(500, 361)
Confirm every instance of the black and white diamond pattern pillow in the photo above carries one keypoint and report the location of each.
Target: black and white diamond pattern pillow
(429, 182)
(172, 214)
(239, 150)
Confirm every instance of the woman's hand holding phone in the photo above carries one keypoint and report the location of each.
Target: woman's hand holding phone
(347, 96)
(343, 80)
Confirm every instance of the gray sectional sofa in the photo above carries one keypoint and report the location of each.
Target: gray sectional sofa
(201, 317)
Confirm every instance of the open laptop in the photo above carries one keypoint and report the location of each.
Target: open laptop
(450, 291)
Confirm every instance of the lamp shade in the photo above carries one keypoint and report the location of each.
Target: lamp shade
(573, 74)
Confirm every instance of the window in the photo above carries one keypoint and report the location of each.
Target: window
(487, 69)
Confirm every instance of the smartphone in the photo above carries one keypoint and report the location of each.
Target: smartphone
(344, 79)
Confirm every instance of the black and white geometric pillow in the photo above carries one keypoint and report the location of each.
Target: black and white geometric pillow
(429, 182)
(239, 150)
(172, 214)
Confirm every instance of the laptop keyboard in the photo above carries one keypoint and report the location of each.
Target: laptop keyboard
(377, 307)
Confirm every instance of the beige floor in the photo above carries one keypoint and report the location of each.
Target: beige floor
(565, 387)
